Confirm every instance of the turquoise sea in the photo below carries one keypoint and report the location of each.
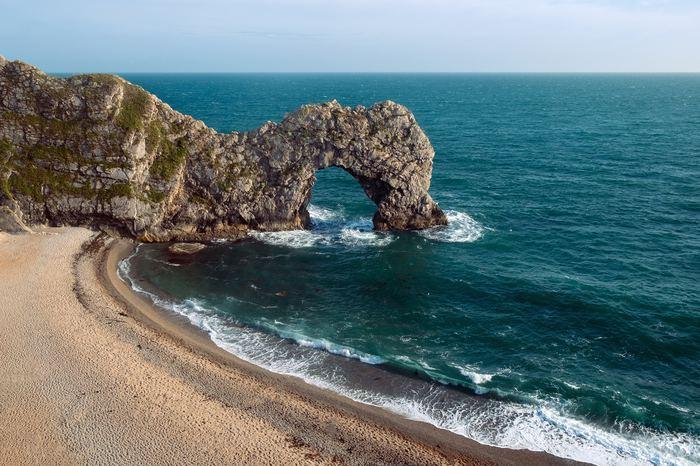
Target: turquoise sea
(559, 310)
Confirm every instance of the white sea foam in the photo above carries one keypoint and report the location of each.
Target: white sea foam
(540, 427)
(280, 329)
(352, 237)
(329, 227)
(416, 364)
(476, 377)
(460, 228)
(322, 214)
(171, 264)
(338, 349)
(292, 239)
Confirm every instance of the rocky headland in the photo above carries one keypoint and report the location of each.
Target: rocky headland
(95, 150)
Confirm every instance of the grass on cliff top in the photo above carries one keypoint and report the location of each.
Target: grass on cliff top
(100, 78)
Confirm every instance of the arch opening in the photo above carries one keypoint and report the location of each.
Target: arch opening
(337, 195)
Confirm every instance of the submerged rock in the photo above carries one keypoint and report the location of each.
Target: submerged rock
(185, 248)
(96, 150)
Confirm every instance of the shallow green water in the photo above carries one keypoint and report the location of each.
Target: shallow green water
(565, 289)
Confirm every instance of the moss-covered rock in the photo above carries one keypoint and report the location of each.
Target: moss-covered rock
(133, 111)
(169, 159)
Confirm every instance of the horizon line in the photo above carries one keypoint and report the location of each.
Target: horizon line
(370, 72)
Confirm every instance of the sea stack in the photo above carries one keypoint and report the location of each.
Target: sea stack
(96, 150)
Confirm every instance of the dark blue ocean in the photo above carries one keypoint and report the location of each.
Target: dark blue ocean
(559, 310)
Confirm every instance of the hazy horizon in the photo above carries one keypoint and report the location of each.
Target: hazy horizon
(205, 72)
(385, 36)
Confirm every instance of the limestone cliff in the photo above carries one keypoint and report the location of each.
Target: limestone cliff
(96, 150)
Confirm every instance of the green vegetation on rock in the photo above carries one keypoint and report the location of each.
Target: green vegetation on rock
(169, 155)
(195, 199)
(41, 170)
(155, 196)
(60, 128)
(168, 162)
(32, 180)
(154, 134)
(101, 78)
(133, 110)
(6, 151)
(115, 190)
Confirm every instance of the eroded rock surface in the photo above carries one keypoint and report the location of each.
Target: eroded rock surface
(96, 150)
(186, 248)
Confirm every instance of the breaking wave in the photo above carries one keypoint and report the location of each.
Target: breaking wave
(460, 228)
(476, 377)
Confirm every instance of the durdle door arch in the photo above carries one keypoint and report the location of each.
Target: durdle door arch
(97, 150)
(382, 147)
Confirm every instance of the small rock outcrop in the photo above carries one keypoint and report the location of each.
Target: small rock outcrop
(186, 248)
(96, 150)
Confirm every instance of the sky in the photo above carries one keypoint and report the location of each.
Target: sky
(353, 35)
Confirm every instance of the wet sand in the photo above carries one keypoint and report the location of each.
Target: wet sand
(94, 373)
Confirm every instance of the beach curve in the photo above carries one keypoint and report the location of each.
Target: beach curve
(95, 373)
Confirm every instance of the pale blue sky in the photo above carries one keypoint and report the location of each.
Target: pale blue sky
(357, 35)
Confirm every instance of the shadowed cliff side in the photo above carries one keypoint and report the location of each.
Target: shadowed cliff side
(96, 150)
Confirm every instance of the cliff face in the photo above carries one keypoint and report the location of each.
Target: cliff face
(96, 150)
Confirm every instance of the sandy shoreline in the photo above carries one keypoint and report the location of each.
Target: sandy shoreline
(95, 374)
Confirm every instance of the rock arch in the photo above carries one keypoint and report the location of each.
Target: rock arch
(382, 147)
(96, 150)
